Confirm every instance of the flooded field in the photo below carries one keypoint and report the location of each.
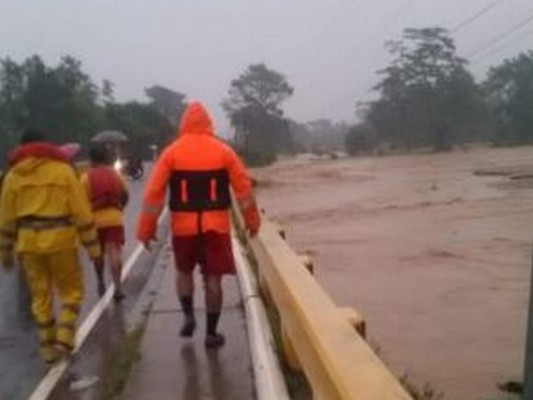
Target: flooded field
(433, 249)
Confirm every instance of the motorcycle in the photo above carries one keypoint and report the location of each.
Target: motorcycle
(126, 167)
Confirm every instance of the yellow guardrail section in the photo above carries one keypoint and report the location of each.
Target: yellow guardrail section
(319, 337)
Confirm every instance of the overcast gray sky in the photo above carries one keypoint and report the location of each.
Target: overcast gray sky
(328, 49)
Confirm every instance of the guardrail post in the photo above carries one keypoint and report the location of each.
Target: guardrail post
(528, 368)
(280, 230)
(308, 263)
(354, 319)
(290, 352)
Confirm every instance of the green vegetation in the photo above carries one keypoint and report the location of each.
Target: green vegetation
(297, 384)
(427, 98)
(65, 103)
(120, 367)
(254, 110)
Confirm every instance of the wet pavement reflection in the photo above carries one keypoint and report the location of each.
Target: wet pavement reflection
(172, 367)
(21, 368)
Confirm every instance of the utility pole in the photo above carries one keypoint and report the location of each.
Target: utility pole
(528, 368)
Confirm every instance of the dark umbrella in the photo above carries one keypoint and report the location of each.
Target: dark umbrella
(110, 136)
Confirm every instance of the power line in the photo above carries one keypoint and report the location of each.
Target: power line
(476, 16)
(500, 37)
(502, 46)
(389, 21)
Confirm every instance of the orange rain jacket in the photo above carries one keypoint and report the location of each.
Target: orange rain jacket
(196, 149)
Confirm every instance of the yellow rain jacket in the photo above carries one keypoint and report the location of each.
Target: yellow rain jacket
(44, 214)
(43, 207)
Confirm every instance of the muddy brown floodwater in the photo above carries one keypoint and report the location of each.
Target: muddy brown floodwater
(433, 249)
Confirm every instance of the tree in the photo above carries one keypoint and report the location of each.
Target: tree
(143, 123)
(64, 102)
(254, 110)
(509, 88)
(360, 140)
(426, 93)
(169, 103)
(60, 101)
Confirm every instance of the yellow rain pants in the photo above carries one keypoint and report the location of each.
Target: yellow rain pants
(44, 273)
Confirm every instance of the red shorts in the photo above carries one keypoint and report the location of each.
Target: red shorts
(111, 234)
(213, 253)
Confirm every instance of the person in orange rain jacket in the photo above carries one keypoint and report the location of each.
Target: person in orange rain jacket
(44, 215)
(198, 169)
(108, 196)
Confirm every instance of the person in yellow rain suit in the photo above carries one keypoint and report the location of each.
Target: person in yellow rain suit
(198, 170)
(44, 214)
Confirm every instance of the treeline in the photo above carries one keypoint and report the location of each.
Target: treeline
(68, 106)
(426, 98)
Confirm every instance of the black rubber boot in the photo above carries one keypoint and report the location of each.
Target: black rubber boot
(188, 327)
(214, 341)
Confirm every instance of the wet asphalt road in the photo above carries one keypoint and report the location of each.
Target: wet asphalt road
(20, 366)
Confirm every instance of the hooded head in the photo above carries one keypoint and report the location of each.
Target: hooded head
(196, 121)
(33, 144)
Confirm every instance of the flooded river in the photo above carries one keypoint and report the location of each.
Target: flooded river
(433, 249)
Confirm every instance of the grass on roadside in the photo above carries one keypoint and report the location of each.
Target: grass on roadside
(120, 367)
(296, 381)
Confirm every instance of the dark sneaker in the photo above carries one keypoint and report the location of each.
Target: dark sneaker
(52, 361)
(118, 295)
(214, 341)
(188, 327)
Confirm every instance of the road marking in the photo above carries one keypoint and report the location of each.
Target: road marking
(52, 377)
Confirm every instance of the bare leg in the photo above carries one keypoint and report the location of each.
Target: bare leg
(184, 284)
(99, 269)
(213, 293)
(114, 254)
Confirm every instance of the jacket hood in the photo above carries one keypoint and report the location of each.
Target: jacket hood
(196, 121)
(28, 156)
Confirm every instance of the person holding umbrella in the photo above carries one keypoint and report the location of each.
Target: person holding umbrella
(108, 196)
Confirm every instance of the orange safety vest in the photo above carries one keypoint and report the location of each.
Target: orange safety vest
(198, 170)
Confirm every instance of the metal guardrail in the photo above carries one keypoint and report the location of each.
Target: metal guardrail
(268, 378)
(324, 341)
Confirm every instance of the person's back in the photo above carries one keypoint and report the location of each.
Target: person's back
(44, 215)
(197, 149)
(38, 190)
(199, 169)
(108, 196)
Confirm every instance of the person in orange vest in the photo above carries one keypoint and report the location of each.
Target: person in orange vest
(198, 170)
(44, 214)
(108, 196)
